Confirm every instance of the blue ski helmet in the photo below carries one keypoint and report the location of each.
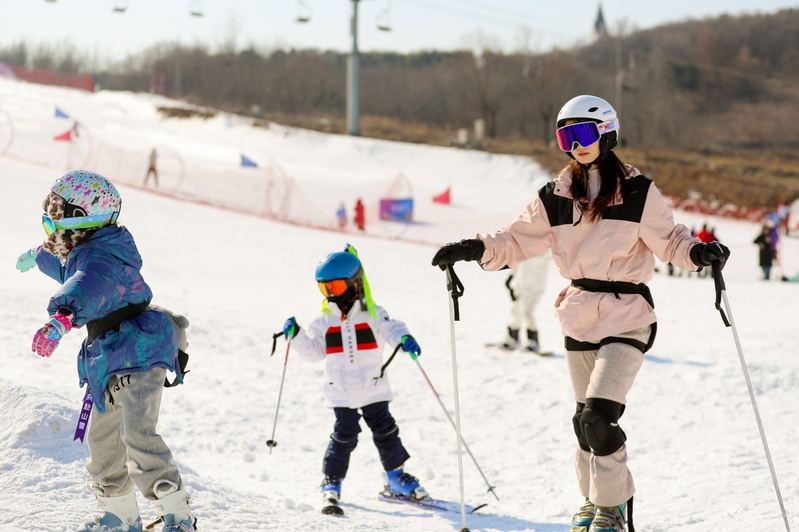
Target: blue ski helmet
(339, 265)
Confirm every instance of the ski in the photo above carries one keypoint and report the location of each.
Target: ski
(428, 502)
(332, 507)
(524, 350)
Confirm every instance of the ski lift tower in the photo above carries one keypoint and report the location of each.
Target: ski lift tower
(353, 74)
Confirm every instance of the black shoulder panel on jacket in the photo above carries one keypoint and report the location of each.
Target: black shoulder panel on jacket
(632, 206)
(560, 210)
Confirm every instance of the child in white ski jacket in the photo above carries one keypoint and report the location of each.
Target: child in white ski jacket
(350, 336)
(605, 223)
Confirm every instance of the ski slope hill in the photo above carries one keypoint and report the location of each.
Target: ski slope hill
(694, 447)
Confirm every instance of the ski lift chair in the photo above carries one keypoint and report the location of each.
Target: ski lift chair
(384, 18)
(120, 6)
(303, 12)
(196, 8)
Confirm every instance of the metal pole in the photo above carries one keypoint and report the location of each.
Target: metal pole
(353, 76)
(271, 441)
(721, 293)
(760, 428)
(452, 318)
(452, 422)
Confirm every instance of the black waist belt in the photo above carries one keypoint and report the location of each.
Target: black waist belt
(112, 321)
(615, 288)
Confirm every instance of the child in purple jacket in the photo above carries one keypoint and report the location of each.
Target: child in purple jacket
(125, 358)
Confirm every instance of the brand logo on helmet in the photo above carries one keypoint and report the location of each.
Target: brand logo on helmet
(606, 127)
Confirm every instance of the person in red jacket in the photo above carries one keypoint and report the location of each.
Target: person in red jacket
(360, 216)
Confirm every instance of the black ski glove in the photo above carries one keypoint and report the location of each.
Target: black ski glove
(471, 249)
(706, 254)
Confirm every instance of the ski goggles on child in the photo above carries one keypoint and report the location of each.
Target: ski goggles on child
(334, 288)
(583, 133)
(77, 222)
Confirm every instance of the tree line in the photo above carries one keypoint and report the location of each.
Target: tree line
(713, 84)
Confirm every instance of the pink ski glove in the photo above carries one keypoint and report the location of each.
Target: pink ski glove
(46, 339)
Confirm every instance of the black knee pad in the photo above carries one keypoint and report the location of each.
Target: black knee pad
(599, 423)
(578, 428)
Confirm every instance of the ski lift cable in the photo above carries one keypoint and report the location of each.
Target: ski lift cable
(485, 17)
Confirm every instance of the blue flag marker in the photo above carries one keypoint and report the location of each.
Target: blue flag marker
(248, 162)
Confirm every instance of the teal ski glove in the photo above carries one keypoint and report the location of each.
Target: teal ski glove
(27, 260)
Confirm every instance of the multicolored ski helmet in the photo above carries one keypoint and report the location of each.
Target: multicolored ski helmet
(337, 273)
(88, 194)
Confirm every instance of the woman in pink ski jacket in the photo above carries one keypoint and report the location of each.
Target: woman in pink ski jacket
(605, 223)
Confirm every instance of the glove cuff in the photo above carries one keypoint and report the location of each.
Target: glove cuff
(696, 255)
(473, 248)
(61, 323)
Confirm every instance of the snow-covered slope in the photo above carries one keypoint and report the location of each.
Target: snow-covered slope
(694, 447)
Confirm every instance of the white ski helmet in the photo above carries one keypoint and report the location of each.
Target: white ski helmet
(88, 192)
(600, 111)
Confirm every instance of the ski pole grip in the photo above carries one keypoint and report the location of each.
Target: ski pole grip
(718, 281)
(274, 341)
(455, 288)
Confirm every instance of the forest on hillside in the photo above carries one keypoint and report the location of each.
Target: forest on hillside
(714, 86)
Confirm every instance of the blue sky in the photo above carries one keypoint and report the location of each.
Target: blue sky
(94, 25)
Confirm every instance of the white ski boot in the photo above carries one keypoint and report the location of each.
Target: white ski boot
(120, 514)
(173, 507)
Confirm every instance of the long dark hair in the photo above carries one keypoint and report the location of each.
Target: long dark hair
(612, 173)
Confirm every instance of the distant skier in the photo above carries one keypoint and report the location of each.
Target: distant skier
(766, 252)
(124, 360)
(152, 168)
(360, 215)
(526, 284)
(341, 216)
(604, 223)
(350, 336)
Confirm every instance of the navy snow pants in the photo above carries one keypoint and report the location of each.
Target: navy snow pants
(385, 434)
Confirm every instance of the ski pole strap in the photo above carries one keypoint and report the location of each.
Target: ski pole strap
(183, 360)
(274, 341)
(510, 288)
(83, 418)
(455, 288)
(718, 280)
(383, 369)
(615, 288)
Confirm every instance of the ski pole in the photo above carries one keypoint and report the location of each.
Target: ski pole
(451, 422)
(271, 442)
(455, 288)
(721, 294)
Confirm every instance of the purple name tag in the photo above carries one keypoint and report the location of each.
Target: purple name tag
(83, 418)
